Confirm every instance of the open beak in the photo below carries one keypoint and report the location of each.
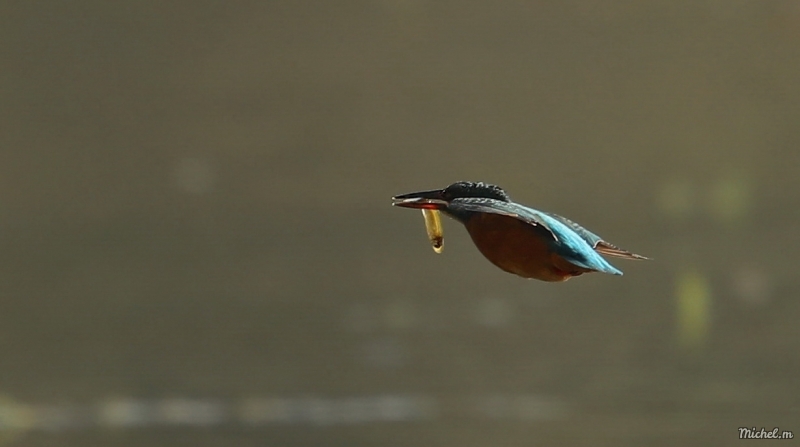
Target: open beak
(428, 200)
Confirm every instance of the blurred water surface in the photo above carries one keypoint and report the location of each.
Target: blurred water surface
(197, 245)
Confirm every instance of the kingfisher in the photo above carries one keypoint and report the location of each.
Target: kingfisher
(518, 239)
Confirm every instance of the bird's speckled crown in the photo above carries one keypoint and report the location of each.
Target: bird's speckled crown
(476, 189)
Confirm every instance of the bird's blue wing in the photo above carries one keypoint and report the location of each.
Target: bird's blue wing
(590, 238)
(575, 246)
(600, 245)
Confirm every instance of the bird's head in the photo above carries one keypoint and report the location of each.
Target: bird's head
(441, 199)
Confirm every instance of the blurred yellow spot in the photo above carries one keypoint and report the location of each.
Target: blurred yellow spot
(124, 413)
(399, 315)
(265, 411)
(494, 312)
(694, 303)
(15, 418)
(194, 175)
(676, 198)
(730, 198)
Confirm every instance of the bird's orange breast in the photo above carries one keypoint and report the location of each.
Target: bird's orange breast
(519, 248)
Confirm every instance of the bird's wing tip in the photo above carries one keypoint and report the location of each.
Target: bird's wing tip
(608, 249)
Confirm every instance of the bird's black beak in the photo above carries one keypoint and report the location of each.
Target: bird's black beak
(429, 200)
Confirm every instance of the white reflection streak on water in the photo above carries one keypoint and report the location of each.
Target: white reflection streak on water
(131, 413)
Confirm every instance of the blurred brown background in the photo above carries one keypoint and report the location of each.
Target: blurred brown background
(197, 246)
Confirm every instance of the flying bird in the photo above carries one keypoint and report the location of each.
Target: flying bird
(520, 240)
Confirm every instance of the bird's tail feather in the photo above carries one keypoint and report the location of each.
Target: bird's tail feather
(604, 248)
